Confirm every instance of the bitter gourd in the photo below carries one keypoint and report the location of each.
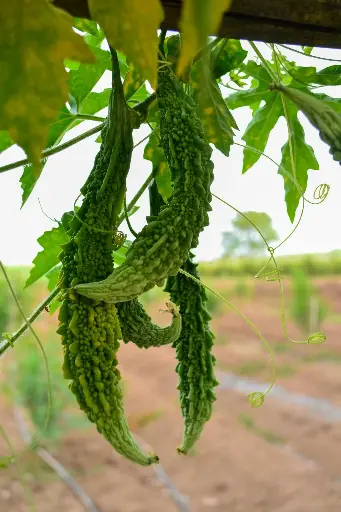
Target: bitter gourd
(90, 329)
(163, 244)
(136, 324)
(193, 351)
(321, 115)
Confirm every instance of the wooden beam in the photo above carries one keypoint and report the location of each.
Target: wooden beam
(303, 22)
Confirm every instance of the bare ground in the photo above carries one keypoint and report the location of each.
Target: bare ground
(275, 458)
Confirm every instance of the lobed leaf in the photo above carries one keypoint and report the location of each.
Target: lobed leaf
(132, 82)
(83, 80)
(5, 141)
(327, 76)
(303, 160)
(47, 259)
(258, 131)
(37, 37)
(226, 56)
(198, 20)
(131, 27)
(217, 120)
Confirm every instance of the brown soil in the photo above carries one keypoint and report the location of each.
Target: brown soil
(272, 459)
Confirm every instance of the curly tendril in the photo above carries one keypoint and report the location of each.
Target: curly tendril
(256, 398)
(275, 275)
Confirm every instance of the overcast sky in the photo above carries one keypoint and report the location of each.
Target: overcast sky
(260, 189)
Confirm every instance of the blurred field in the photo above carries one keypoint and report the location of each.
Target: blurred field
(279, 457)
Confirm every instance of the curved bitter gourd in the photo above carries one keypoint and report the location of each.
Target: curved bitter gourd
(321, 115)
(90, 330)
(163, 244)
(193, 351)
(136, 324)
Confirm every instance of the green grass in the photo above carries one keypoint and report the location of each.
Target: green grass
(285, 370)
(280, 348)
(267, 435)
(312, 264)
(323, 356)
(250, 368)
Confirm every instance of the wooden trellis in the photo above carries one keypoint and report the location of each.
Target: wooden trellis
(304, 22)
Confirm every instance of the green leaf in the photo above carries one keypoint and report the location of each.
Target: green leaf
(258, 130)
(213, 111)
(252, 69)
(120, 254)
(162, 174)
(327, 76)
(83, 80)
(46, 259)
(172, 49)
(139, 95)
(303, 157)
(247, 98)
(37, 37)
(198, 20)
(132, 82)
(5, 141)
(88, 26)
(94, 102)
(131, 27)
(154, 113)
(307, 49)
(226, 56)
(52, 277)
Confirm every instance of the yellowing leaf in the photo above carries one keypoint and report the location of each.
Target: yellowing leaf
(35, 38)
(131, 27)
(199, 19)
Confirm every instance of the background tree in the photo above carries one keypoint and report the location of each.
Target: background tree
(244, 239)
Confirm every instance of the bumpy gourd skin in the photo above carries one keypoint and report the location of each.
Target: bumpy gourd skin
(323, 117)
(163, 244)
(193, 351)
(90, 330)
(137, 326)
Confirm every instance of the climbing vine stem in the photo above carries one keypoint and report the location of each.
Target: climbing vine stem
(29, 326)
(264, 62)
(11, 338)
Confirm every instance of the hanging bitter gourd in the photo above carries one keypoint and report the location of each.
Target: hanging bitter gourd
(321, 115)
(193, 351)
(163, 244)
(90, 329)
(136, 324)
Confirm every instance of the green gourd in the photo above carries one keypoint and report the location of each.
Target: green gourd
(193, 351)
(136, 324)
(162, 246)
(90, 329)
(320, 115)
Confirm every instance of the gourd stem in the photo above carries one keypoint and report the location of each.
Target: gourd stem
(137, 196)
